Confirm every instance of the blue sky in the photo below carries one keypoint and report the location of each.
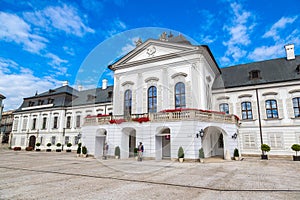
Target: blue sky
(46, 42)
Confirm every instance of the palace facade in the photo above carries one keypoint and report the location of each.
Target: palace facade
(168, 94)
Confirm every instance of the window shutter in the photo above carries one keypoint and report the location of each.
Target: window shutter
(254, 110)
(239, 110)
(159, 98)
(133, 102)
(280, 108)
(289, 107)
(171, 96)
(263, 109)
(188, 95)
(145, 100)
(230, 108)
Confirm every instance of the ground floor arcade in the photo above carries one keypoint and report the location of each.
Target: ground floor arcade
(162, 140)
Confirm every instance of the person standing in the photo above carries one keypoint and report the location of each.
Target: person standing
(105, 150)
(140, 151)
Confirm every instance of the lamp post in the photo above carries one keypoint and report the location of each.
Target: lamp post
(200, 133)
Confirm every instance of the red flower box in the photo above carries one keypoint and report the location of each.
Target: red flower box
(142, 119)
(116, 121)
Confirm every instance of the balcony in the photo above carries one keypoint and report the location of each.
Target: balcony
(166, 115)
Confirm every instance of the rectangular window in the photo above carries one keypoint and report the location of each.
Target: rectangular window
(22, 141)
(246, 110)
(41, 140)
(271, 109)
(44, 123)
(13, 142)
(76, 140)
(67, 140)
(276, 140)
(24, 126)
(55, 122)
(296, 106)
(53, 138)
(77, 121)
(249, 141)
(68, 122)
(16, 123)
(34, 124)
(224, 108)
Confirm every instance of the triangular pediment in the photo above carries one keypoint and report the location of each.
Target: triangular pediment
(152, 49)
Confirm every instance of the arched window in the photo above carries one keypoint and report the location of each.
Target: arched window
(271, 109)
(296, 106)
(246, 110)
(127, 102)
(152, 99)
(180, 95)
(224, 108)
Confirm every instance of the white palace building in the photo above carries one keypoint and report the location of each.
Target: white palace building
(169, 93)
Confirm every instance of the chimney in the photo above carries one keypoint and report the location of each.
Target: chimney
(65, 83)
(104, 84)
(290, 53)
(80, 88)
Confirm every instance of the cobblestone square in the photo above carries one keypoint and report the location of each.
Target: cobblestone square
(53, 175)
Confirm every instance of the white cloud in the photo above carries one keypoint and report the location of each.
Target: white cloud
(57, 63)
(6, 64)
(115, 27)
(240, 27)
(280, 24)
(69, 50)
(15, 29)
(21, 85)
(64, 18)
(267, 52)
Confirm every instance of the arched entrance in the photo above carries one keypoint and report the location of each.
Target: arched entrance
(128, 142)
(213, 142)
(99, 142)
(32, 140)
(163, 144)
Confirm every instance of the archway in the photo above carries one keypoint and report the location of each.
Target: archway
(213, 142)
(128, 142)
(32, 140)
(163, 144)
(99, 142)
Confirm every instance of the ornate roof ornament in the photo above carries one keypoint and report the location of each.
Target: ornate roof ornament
(163, 36)
(138, 42)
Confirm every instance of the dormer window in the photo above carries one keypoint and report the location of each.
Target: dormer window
(110, 94)
(90, 97)
(50, 101)
(30, 103)
(254, 74)
(298, 69)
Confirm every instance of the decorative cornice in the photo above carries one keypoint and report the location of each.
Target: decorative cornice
(245, 95)
(127, 82)
(151, 79)
(269, 93)
(294, 91)
(223, 97)
(179, 74)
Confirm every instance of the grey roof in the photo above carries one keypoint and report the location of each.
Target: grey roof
(67, 96)
(63, 89)
(271, 71)
(93, 96)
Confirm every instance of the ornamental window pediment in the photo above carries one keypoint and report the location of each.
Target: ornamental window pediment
(127, 83)
(182, 74)
(269, 93)
(151, 79)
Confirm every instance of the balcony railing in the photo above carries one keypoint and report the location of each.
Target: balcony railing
(167, 115)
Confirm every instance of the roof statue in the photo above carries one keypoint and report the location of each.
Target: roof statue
(138, 42)
(163, 36)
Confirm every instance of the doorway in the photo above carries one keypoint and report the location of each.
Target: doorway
(32, 140)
